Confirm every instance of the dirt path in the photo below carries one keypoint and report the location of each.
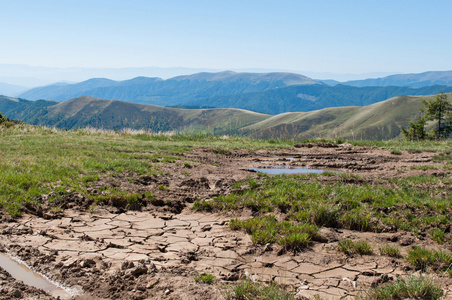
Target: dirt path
(156, 253)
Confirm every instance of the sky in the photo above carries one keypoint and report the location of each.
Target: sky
(346, 37)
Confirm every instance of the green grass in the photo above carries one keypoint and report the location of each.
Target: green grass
(251, 290)
(390, 251)
(408, 288)
(205, 278)
(423, 259)
(438, 235)
(350, 247)
(396, 152)
(411, 203)
(290, 235)
(37, 160)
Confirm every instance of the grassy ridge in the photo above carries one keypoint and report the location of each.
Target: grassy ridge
(379, 121)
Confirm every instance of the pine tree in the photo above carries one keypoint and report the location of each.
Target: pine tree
(439, 110)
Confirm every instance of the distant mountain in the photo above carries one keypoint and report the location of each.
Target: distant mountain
(411, 80)
(330, 82)
(303, 98)
(270, 93)
(379, 121)
(64, 91)
(175, 91)
(7, 89)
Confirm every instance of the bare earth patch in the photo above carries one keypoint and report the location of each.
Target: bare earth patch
(111, 252)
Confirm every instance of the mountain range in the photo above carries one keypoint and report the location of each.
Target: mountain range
(381, 120)
(269, 93)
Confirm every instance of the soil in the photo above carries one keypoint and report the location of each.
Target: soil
(118, 251)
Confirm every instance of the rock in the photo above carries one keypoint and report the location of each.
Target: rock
(152, 283)
(87, 263)
(406, 241)
(326, 235)
(139, 270)
(127, 265)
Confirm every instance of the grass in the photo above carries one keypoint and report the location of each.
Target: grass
(251, 290)
(291, 236)
(38, 160)
(350, 247)
(390, 251)
(412, 288)
(412, 203)
(205, 278)
(423, 259)
(438, 235)
(396, 152)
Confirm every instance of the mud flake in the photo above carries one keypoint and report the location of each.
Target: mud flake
(337, 273)
(88, 246)
(116, 254)
(151, 223)
(181, 246)
(308, 268)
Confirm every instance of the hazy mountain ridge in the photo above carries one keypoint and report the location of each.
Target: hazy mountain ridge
(270, 93)
(305, 98)
(11, 89)
(411, 80)
(175, 91)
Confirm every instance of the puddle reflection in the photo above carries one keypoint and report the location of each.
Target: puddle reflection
(23, 273)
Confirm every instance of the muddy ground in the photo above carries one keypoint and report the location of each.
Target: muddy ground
(113, 252)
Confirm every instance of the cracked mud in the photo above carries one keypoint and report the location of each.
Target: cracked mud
(114, 253)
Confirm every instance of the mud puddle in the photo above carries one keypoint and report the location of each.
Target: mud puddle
(277, 170)
(21, 272)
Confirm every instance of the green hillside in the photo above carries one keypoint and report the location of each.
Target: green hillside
(379, 121)
(112, 114)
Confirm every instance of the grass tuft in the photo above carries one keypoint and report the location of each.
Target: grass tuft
(408, 288)
(205, 278)
(390, 251)
(350, 247)
(251, 290)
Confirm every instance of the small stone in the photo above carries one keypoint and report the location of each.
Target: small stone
(152, 283)
(127, 265)
(167, 292)
(139, 270)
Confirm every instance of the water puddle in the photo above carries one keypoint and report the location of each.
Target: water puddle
(21, 271)
(286, 170)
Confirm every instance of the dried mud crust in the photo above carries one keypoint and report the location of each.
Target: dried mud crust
(115, 253)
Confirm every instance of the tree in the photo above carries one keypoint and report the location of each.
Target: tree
(440, 111)
(416, 131)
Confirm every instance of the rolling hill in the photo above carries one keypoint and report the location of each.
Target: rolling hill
(379, 121)
(113, 114)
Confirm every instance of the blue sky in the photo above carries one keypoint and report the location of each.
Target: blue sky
(319, 36)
